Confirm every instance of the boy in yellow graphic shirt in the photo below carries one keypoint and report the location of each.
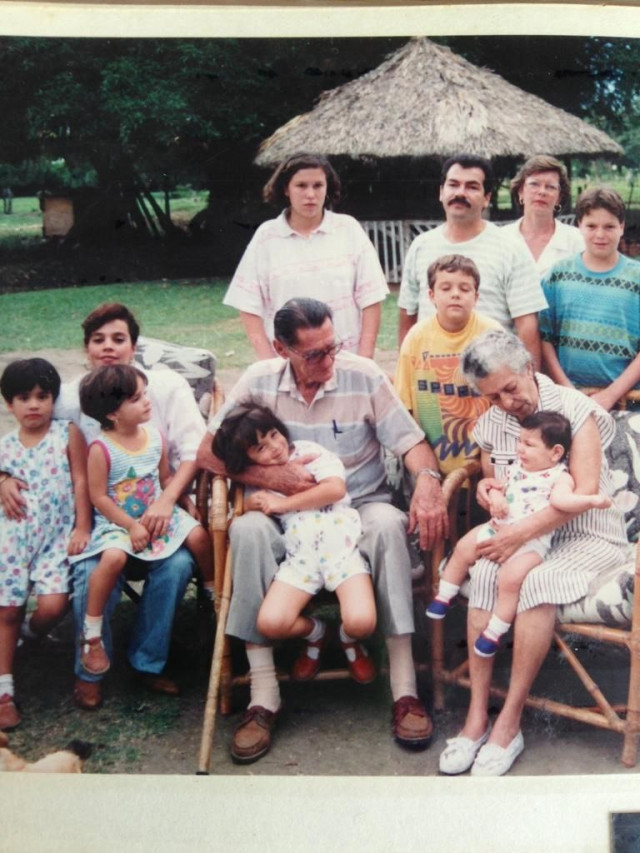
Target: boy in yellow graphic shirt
(428, 376)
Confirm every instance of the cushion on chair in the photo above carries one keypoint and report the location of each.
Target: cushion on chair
(198, 366)
(623, 455)
(610, 596)
(609, 599)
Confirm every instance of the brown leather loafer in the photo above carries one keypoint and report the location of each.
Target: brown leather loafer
(252, 735)
(87, 695)
(157, 683)
(411, 725)
(9, 716)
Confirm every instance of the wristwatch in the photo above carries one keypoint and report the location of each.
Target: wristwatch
(432, 472)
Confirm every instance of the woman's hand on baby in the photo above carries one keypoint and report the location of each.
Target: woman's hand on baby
(485, 486)
(13, 504)
(157, 516)
(503, 545)
(78, 541)
(139, 536)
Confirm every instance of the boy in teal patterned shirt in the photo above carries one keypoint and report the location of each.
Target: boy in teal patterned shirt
(591, 329)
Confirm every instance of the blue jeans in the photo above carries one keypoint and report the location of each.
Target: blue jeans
(164, 586)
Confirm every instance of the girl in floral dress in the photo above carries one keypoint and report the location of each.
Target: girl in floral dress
(49, 458)
(128, 468)
(321, 533)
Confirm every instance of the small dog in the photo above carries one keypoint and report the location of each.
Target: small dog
(67, 760)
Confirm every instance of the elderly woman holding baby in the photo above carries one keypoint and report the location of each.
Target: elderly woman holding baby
(501, 369)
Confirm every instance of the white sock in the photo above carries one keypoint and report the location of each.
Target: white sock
(344, 637)
(317, 632)
(6, 684)
(92, 627)
(447, 590)
(262, 675)
(402, 673)
(496, 628)
(27, 631)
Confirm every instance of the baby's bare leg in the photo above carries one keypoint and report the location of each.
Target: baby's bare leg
(510, 579)
(463, 557)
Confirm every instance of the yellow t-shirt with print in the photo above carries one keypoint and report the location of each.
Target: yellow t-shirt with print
(430, 383)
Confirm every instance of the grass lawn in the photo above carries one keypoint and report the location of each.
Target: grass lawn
(186, 312)
(23, 226)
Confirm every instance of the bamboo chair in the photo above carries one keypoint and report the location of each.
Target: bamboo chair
(623, 719)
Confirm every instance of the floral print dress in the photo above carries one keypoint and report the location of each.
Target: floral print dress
(34, 550)
(134, 485)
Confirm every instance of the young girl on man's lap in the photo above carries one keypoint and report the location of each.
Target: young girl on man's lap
(538, 478)
(50, 458)
(321, 533)
(128, 470)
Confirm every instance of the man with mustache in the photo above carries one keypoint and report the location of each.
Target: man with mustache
(511, 292)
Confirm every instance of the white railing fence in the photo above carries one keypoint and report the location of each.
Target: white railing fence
(392, 238)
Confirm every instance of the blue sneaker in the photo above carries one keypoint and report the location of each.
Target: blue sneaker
(438, 609)
(485, 647)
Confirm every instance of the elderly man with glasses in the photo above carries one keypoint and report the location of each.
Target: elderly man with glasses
(345, 403)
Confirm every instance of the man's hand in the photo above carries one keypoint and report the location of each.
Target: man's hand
(12, 502)
(157, 516)
(428, 512)
(292, 478)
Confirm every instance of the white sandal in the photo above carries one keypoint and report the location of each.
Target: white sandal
(460, 753)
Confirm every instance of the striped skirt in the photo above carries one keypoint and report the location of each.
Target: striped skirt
(563, 578)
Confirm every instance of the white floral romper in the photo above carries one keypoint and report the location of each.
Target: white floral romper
(321, 544)
(34, 550)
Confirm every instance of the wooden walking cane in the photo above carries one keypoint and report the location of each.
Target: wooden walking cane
(211, 706)
(222, 570)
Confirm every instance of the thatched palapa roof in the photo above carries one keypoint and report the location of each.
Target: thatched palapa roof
(425, 101)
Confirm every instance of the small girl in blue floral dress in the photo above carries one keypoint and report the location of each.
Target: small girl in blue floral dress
(128, 470)
(321, 533)
(36, 540)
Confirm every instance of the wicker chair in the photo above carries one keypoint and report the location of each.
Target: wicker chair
(610, 613)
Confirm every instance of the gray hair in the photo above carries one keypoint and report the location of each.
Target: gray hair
(492, 351)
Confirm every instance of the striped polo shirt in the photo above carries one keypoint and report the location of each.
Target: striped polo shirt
(509, 281)
(355, 414)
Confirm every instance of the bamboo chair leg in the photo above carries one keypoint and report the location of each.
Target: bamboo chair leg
(211, 706)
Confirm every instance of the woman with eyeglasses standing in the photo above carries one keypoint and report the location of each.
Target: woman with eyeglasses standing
(541, 188)
(309, 251)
